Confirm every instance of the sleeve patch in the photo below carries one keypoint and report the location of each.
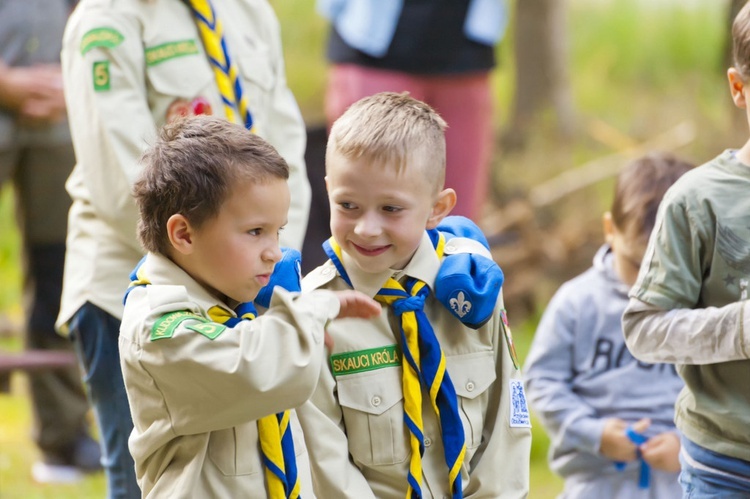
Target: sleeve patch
(509, 339)
(166, 325)
(519, 410)
(210, 330)
(101, 37)
(101, 76)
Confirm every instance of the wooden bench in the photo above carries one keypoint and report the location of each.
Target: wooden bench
(32, 360)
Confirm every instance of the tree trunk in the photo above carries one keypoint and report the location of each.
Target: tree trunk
(542, 79)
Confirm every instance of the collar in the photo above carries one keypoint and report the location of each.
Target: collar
(424, 265)
(161, 271)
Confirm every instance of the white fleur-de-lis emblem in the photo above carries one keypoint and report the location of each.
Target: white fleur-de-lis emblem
(460, 304)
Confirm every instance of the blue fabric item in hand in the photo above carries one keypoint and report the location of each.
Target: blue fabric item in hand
(469, 281)
(287, 273)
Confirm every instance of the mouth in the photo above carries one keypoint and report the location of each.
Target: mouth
(371, 251)
(263, 279)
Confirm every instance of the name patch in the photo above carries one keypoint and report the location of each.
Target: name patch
(365, 360)
(170, 50)
(101, 37)
(166, 325)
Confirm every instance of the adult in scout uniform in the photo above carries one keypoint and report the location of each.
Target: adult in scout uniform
(36, 155)
(130, 66)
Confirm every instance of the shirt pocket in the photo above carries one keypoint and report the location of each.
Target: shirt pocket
(373, 409)
(184, 77)
(472, 375)
(258, 81)
(236, 451)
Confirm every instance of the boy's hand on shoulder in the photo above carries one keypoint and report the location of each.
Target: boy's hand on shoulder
(356, 304)
(615, 444)
(662, 452)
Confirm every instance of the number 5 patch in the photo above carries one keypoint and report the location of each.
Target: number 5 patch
(101, 76)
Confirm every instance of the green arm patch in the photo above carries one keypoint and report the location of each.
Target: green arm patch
(365, 360)
(101, 37)
(166, 325)
(102, 80)
(170, 50)
(210, 330)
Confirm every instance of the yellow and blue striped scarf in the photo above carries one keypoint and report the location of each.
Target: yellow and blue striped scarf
(423, 364)
(226, 71)
(274, 431)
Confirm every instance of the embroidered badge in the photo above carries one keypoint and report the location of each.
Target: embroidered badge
(179, 108)
(509, 339)
(365, 360)
(101, 37)
(460, 305)
(170, 50)
(519, 411)
(166, 325)
(101, 76)
(210, 330)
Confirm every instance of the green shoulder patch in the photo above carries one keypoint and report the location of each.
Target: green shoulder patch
(166, 325)
(101, 37)
(102, 81)
(170, 50)
(509, 339)
(210, 330)
(365, 360)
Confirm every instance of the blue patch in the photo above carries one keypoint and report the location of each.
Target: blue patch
(519, 410)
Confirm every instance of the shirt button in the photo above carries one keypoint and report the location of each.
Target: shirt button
(470, 386)
(376, 401)
(427, 441)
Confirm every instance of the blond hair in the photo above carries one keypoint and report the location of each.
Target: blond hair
(392, 129)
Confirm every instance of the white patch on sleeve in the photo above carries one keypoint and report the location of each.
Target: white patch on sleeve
(519, 410)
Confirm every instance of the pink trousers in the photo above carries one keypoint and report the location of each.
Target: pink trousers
(464, 102)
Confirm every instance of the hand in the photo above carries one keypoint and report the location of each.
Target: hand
(357, 304)
(615, 445)
(662, 452)
(34, 93)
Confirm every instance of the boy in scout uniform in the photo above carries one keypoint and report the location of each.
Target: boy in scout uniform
(210, 388)
(129, 67)
(413, 403)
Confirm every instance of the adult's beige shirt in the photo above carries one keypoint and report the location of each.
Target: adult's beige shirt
(124, 63)
(354, 422)
(196, 389)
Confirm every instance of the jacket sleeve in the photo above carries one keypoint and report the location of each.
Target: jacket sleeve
(108, 110)
(257, 368)
(334, 473)
(661, 322)
(570, 422)
(500, 466)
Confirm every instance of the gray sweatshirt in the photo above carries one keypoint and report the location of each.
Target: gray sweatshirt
(580, 372)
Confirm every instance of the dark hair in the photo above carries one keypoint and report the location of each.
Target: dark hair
(191, 170)
(741, 41)
(639, 190)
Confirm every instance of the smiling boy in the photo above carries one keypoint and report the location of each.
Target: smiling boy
(413, 403)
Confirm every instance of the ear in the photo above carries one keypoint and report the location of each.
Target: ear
(180, 234)
(444, 203)
(608, 227)
(737, 87)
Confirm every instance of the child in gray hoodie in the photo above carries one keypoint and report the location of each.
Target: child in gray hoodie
(609, 416)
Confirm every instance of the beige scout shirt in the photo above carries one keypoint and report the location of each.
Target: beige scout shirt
(124, 62)
(354, 427)
(195, 400)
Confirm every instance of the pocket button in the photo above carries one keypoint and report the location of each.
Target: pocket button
(375, 401)
(470, 386)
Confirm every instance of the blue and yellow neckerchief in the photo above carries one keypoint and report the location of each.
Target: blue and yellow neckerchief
(274, 431)
(423, 364)
(226, 72)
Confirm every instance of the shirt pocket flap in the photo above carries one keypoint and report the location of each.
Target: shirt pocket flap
(257, 68)
(372, 393)
(184, 77)
(472, 374)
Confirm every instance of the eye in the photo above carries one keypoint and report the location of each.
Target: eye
(392, 209)
(255, 232)
(347, 206)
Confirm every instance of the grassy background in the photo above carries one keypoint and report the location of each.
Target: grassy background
(637, 67)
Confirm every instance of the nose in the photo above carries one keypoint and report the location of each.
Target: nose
(368, 225)
(272, 253)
